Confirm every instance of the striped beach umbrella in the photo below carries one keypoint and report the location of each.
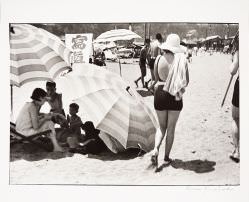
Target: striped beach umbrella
(114, 108)
(35, 54)
(116, 35)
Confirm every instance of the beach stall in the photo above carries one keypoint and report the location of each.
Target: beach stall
(212, 42)
(117, 35)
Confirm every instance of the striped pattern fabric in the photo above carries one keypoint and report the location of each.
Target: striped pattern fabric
(178, 78)
(35, 54)
(104, 100)
(116, 35)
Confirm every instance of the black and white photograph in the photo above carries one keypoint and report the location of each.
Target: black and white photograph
(106, 95)
(125, 102)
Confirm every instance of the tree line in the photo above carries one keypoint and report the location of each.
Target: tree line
(202, 30)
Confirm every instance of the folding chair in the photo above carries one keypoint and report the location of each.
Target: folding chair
(16, 137)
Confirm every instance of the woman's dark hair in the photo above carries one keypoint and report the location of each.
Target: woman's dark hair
(38, 93)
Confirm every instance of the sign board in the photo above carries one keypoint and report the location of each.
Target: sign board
(81, 47)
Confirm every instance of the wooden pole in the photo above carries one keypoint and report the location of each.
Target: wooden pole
(145, 30)
(227, 91)
(119, 67)
(11, 86)
(149, 31)
(11, 97)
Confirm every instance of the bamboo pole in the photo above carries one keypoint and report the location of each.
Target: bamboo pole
(119, 67)
(11, 97)
(227, 91)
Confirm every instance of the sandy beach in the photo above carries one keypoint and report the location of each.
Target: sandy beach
(200, 151)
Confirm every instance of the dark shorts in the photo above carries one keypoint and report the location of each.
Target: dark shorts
(235, 100)
(164, 101)
(151, 64)
(143, 70)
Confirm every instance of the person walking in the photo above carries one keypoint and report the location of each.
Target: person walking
(234, 68)
(142, 62)
(171, 78)
(153, 52)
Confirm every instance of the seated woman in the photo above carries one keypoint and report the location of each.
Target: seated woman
(30, 121)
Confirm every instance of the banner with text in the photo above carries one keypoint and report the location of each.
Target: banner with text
(81, 47)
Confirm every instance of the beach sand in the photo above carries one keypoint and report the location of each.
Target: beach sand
(200, 151)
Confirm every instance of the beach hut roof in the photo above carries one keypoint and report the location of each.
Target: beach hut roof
(212, 37)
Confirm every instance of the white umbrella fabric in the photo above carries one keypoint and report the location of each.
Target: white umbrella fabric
(35, 54)
(116, 35)
(114, 108)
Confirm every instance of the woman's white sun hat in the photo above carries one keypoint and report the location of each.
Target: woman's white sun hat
(172, 44)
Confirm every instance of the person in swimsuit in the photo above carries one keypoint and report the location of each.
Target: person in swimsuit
(167, 107)
(234, 67)
(142, 62)
(153, 52)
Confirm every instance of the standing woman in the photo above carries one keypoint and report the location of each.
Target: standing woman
(171, 76)
(31, 121)
(235, 101)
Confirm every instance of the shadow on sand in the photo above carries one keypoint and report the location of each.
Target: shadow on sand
(144, 93)
(30, 152)
(109, 156)
(198, 166)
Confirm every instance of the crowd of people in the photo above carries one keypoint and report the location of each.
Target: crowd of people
(168, 66)
(30, 121)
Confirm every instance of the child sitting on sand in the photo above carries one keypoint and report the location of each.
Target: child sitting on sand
(92, 143)
(74, 130)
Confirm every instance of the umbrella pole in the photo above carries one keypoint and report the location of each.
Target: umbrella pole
(119, 66)
(11, 97)
(227, 91)
(93, 50)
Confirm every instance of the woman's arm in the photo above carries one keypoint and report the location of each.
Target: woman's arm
(235, 64)
(156, 69)
(35, 120)
(155, 73)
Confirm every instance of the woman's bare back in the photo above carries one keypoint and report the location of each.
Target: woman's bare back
(163, 67)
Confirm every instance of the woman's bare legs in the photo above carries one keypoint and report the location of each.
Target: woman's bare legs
(162, 118)
(172, 120)
(57, 147)
(235, 131)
